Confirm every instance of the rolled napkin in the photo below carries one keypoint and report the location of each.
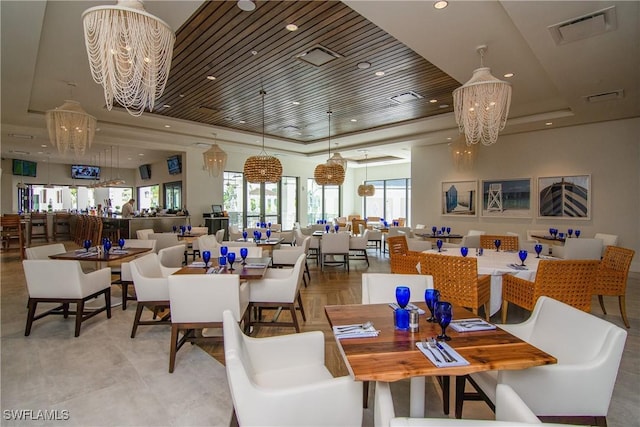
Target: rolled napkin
(200, 264)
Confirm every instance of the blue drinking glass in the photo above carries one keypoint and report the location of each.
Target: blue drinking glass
(464, 251)
(577, 233)
(224, 250)
(222, 261)
(87, 245)
(497, 242)
(439, 244)
(189, 228)
(522, 254)
(121, 243)
(175, 228)
(336, 227)
(244, 235)
(258, 224)
(448, 230)
(263, 225)
(443, 313)
(538, 249)
(243, 253)
(560, 235)
(268, 233)
(434, 229)
(431, 296)
(231, 257)
(403, 293)
(443, 229)
(386, 224)
(269, 224)
(206, 256)
(107, 246)
(327, 227)
(551, 232)
(259, 235)
(570, 232)
(401, 319)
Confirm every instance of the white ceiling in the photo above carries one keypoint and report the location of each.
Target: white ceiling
(43, 48)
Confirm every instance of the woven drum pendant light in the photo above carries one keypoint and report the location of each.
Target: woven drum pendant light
(329, 173)
(366, 190)
(262, 168)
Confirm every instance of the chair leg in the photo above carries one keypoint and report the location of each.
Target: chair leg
(460, 383)
(79, 316)
(623, 310)
(174, 347)
(294, 316)
(304, 317)
(107, 302)
(32, 311)
(505, 306)
(136, 320)
(125, 294)
(365, 394)
(366, 257)
(601, 301)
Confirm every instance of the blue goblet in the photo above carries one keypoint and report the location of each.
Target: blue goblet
(386, 224)
(560, 236)
(403, 293)
(431, 296)
(206, 256)
(269, 225)
(551, 232)
(243, 253)
(327, 227)
(497, 242)
(443, 313)
(224, 250)
(107, 246)
(336, 228)
(268, 233)
(577, 233)
(87, 245)
(570, 232)
(464, 251)
(538, 249)
(121, 243)
(175, 228)
(259, 235)
(448, 230)
(522, 254)
(189, 228)
(439, 245)
(258, 224)
(434, 229)
(231, 257)
(443, 229)
(222, 261)
(263, 225)
(244, 235)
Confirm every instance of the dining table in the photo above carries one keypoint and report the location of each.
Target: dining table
(444, 237)
(393, 355)
(497, 264)
(253, 269)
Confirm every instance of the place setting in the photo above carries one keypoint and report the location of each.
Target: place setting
(363, 330)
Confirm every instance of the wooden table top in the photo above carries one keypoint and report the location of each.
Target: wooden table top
(244, 272)
(81, 255)
(393, 355)
(438, 236)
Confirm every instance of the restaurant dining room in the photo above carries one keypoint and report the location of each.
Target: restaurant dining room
(368, 213)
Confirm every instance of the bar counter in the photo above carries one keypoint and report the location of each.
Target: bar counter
(129, 226)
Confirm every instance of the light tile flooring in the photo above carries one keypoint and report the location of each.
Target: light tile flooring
(105, 378)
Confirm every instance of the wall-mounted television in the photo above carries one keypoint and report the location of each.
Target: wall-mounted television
(24, 167)
(145, 171)
(85, 172)
(174, 163)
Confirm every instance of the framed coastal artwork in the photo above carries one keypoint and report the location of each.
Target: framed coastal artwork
(459, 198)
(506, 198)
(565, 197)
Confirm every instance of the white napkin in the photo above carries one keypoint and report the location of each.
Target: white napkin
(470, 325)
(119, 252)
(354, 333)
(200, 264)
(410, 306)
(460, 361)
(255, 265)
(518, 266)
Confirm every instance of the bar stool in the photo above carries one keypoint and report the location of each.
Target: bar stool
(11, 230)
(39, 222)
(61, 226)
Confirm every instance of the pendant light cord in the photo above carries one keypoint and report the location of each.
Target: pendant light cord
(329, 114)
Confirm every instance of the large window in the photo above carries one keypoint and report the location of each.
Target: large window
(289, 201)
(391, 199)
(173, 195)
(148, 197)
(233, 198)
(323, 201)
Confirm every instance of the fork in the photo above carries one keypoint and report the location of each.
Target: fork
(427, 346)
(432, 344)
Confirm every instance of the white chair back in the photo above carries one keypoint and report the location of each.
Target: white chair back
(165, 240)
(378, 288)
(173, 256)
(208, 242)
(149, 278)
(49, 278)
(43, 252)
(144, 233)
(253, 251)
(581, 248)
(334, 243)
(220, 235)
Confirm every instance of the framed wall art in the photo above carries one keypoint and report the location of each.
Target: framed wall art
(565, 197)
(506, 198)
(459, 198)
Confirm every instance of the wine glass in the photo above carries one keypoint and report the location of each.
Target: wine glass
(570, 232)
(259, 235)
(121, 243)
(222, 261)
(326, 227)
(443, 229)
(439, 245)
(243, 253)
(336, 227)
(448, 230)
(560, 236)
(189, 228)
(577, 233)
(403, 293)
(206, 256)
(269, 225)
(464, 251)
(224, 250)
(434, 229)
(431, 296)
(175, 228)
(231, 257)
(538, 249)
(551, 232)
(268, 233)
(107, 246)
(497, 242)
(244, 235)
(523, 255)
(87, 245)
(443, 313)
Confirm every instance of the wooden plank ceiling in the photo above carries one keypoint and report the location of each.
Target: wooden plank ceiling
(247, 51)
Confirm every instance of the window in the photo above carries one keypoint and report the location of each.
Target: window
(391, 199)
(233, 198)
(323, 201)
(148, 197)
(173, 195)
(289, 201)
(119, 196)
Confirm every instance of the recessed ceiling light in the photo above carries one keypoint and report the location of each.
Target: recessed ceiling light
(211, 77)
(246, 5)
(379, 73)
(433, 101)
(140, 154)
(254, 52)
(354, 120)
(129, 158)
(242, 121)
(548, 123)
(364, 65)
(449, 138)
(295, 103)
(40, 152)
(166, 106)
(291, 27)
(441, 4)
(181, 95)
(507, 75)
(43, 145)
(167, 126)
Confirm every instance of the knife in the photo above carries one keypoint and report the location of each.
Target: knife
(443, 350)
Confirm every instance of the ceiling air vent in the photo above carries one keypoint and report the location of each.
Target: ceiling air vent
(606, 96)
(207, 110)
(585, 26)
(405, 97)
(318, 55)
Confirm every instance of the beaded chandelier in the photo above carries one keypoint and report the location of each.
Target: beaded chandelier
(71, 128)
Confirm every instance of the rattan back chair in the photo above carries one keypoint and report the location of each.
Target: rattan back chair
(355, 225)
(457, 280)
(611, 278)
(507, 242)
(397, 245)
(403, 261)
(568, 281)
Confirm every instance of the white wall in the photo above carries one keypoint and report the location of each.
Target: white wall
(609, 152)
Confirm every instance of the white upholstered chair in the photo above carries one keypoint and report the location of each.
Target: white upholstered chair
(152, 288)
(358, 247)
(582, 248)
(198, 301)
(172, 256)
(43, 252)
(124, 269)
(334, 245)
(144, 233)
(283, 381)
(588, 350)
(374, 236)
(380, 288)
(287, 257)
(220, 235)
(63, 282)
(280, 287)
(208, 242)
(314, 244)
(164, 240)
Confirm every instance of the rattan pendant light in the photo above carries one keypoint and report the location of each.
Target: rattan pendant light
(366, 190)
(329, 173)
(263, 167)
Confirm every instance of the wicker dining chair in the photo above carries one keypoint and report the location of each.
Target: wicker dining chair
(568, 281)
(403, 261)
(611, 278)
(507, 242)
(457, 280)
